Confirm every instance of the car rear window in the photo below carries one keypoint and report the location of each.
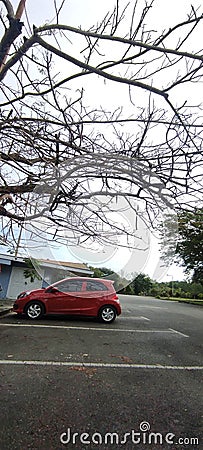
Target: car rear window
(96, 286)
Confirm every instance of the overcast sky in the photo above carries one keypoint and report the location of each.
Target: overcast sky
(85, 13)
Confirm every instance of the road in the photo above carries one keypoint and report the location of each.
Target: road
(66, 383)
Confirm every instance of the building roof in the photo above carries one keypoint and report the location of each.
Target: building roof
(64, 265)
(54, 264)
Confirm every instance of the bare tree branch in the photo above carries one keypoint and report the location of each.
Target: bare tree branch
(69, 157)
(131, 42)
(9, 7)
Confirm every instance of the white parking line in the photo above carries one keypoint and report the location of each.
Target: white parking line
(151, 307)
(96, 365)
(178, 332)
(134, 318)
(116, 330)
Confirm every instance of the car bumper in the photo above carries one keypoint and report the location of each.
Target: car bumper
(118, 309)
(17, 308)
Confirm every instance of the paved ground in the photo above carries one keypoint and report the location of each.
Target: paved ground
(5, 306)
(140, 375)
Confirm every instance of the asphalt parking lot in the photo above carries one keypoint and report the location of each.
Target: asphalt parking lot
(134, 384)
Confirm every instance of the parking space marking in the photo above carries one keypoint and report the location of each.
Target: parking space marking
(96, 365)
(151, 307)
(134, 317)
(116, 330)
(178, 332)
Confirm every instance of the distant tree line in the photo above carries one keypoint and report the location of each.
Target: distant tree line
(144, 285)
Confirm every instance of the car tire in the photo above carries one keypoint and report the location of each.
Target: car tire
(34, 310)
(107, 314)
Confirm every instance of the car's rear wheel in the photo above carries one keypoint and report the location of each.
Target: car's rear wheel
(34, 310)
(107, 314)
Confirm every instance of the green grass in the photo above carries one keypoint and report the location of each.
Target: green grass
(193, 301)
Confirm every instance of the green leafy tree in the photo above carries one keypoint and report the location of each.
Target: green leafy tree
(101, 272)
(190, 244)
(142, 284)
(119, 282)
(31, 270)
(189, 249)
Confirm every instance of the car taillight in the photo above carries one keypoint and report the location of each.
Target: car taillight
(115, 297)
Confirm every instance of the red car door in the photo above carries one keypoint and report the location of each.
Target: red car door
(93, 297)
(65, 299)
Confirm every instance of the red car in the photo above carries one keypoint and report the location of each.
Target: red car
(92, 297)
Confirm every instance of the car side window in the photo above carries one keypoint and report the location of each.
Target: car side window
(96, 286)
(70, 286)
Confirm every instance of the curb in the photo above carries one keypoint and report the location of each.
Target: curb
(5, 311)
(197, 303)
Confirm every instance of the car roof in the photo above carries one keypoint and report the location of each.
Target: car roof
(103, 280)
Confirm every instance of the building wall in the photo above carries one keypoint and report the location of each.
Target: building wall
(4, 279)
(18, 282)
(51, 276)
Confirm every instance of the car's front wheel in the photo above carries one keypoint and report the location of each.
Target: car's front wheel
(34, 310)
(107, 314)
